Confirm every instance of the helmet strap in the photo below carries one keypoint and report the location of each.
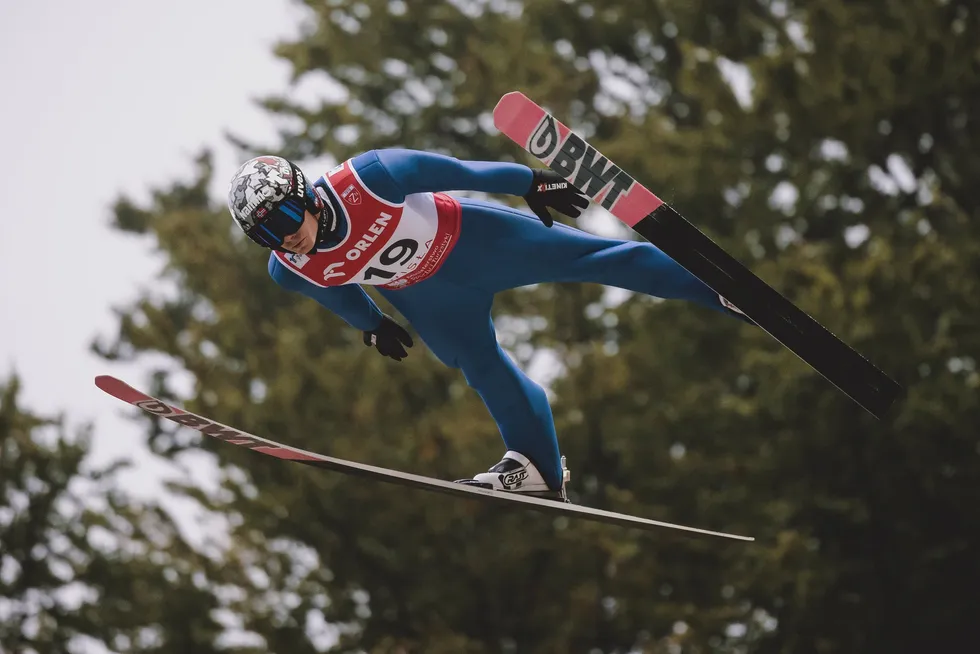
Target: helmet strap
(326, 225)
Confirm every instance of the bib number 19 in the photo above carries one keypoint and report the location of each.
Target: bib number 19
(398, 253)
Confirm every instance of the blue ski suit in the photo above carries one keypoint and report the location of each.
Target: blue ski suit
(496, 248)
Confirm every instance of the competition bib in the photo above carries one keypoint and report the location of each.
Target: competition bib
(387, 245)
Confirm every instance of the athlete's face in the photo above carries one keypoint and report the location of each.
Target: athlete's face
(304, 239)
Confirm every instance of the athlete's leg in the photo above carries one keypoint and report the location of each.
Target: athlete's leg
(454, 322)
(503, 248)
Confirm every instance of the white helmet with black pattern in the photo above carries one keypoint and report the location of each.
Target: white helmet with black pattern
(269, 196)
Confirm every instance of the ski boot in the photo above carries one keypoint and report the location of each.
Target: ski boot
(516, 474)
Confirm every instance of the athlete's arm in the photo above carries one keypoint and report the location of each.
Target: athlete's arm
(349, 301)
(394, 173)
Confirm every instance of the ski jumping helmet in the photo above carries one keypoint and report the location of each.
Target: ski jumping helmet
(268, 198)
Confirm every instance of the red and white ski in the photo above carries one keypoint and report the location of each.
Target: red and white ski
(555, 145)
(154, 406)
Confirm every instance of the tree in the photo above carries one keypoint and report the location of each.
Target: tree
(83, 564)
(864, 529)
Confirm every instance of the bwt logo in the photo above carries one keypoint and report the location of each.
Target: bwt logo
(203, 425)
(579, 163)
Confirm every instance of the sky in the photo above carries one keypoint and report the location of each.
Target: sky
(104, 98)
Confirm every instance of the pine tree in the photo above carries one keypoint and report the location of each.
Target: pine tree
(82, 564)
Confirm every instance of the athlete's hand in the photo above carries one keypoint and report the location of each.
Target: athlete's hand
(390, 338)
(549, 189)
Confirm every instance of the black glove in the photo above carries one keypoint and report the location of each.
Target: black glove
(390, 338)
(549, 189)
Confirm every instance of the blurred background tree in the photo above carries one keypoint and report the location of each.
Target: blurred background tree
(84, 566)
(828, 145)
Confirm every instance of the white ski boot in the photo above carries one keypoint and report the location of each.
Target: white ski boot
(516, 474)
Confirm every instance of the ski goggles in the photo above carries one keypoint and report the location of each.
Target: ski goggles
(272, 224)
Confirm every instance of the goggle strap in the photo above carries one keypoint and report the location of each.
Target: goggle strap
(293, 208)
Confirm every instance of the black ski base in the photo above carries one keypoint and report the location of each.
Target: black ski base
(841, 365)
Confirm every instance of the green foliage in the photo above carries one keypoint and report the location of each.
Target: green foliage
(861, 121)
(83, 564)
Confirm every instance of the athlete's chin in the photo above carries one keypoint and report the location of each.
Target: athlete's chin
(302, 250)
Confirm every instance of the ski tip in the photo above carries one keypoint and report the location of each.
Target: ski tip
(104, 381)
(509, 98)
(506, 108)
(117, 388)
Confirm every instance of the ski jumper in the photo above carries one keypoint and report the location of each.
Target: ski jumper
(440, 260)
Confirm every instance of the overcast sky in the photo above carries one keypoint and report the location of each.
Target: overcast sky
(101, 98)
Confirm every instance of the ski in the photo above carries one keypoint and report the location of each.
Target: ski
(123, 391)
(606, 184)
